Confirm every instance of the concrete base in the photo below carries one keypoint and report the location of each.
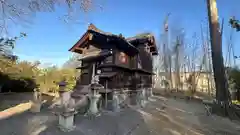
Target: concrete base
(36, 107)
(66, 121)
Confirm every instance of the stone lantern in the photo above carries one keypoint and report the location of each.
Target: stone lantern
(94, 97)
(67, 111)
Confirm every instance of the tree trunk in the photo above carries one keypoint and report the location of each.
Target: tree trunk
(222, 93)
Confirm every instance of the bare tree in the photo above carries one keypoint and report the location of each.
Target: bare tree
(193, 63)
(21, 11)
(167, 57)
(177, 36)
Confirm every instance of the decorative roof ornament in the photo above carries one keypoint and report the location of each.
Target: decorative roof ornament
(121, 36)
(92, 27)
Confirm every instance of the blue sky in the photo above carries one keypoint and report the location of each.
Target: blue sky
(49, 38)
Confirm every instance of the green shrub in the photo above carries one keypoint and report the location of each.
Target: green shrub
(24, 76)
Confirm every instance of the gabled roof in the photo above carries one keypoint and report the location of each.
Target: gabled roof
(144, 38)
(104, 37)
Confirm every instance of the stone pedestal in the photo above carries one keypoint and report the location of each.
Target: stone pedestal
(93, 109)
(115, 103)
(147, 94)
(142, 98)
(150, 92)
(133, 97)
(66, 120)
(37, 102)
(36, 107)
(123, 99)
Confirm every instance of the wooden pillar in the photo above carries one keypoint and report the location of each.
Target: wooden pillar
(106, 94)
(216, 49)
(93, 73)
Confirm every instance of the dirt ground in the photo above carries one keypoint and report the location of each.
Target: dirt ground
(177, 117)
(161, 116)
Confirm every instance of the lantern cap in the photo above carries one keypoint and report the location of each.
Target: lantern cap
(62, 83)
(96, 86)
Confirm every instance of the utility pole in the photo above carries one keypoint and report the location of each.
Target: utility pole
(222, 93)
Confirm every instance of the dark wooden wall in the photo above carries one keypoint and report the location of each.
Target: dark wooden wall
(86, 73)
(145, 58)
(124, 78)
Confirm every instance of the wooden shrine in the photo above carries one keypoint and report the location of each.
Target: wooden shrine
(120, 63)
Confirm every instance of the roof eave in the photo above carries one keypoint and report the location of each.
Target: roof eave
(80, 41)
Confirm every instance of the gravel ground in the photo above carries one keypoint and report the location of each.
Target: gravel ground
(161, 116)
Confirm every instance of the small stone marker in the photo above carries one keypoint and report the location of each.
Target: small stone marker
(115, 103)
(149, 93)
(142, 97)
(37, 101)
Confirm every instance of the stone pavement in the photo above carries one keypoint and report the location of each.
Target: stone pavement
(161, 116)
(45, 123)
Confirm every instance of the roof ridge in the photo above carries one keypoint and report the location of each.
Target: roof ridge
(94, 28)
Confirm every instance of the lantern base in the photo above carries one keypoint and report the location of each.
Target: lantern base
(66, 121)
